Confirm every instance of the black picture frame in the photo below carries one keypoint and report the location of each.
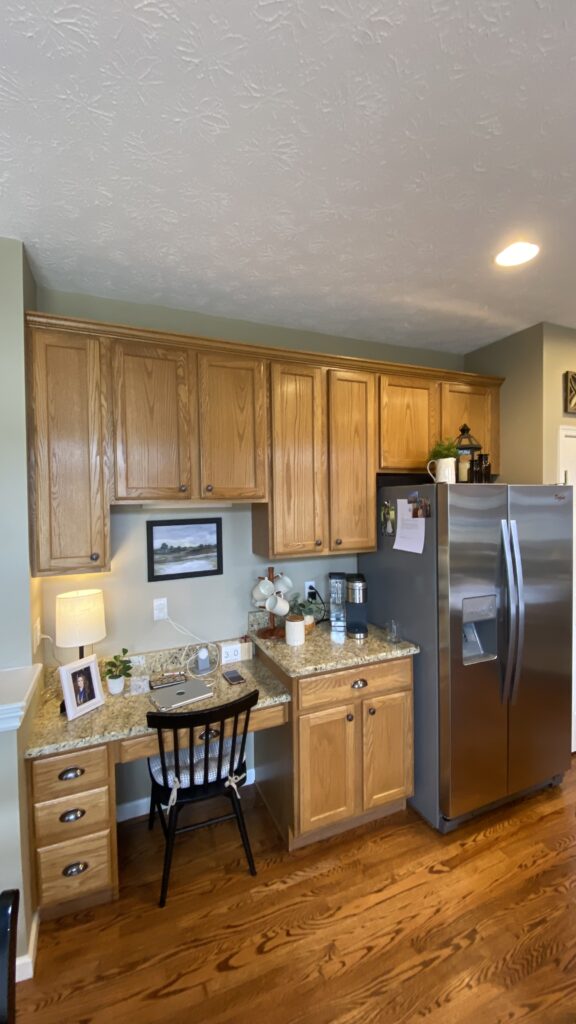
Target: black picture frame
(570, 393)
(171, 544)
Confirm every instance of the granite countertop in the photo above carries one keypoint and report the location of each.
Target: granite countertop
(320, 654)
(124, 716)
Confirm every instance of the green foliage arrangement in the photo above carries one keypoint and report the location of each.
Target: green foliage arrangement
(443, 450)
(300, 606)
(118, 666)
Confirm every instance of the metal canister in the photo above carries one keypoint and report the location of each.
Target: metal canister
(356, 589)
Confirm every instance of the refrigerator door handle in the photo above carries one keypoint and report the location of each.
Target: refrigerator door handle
(521, 609)
(512, 611)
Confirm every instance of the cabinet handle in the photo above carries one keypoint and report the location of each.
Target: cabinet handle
(182, 488)
(349, 717)
(359, 684)
(78, 868)
(210, 733)
(71, 773)
(209, 488)
(95, 556)
(72, 815)
(338, 540)
(318, 543)
(371, 711)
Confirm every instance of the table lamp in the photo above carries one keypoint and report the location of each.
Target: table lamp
(80, 618)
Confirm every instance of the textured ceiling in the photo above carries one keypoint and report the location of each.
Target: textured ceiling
(345, 166)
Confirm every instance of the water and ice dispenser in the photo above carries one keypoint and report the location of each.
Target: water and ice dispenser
(479, 629)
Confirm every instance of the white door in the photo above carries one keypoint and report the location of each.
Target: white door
(567, 474)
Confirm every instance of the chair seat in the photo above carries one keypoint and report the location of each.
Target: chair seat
(184, 759)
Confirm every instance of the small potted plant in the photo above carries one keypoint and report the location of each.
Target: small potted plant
(306, 609)
(116, 670)
(443, 454)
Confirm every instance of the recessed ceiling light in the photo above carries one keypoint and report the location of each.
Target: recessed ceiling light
(517, 253)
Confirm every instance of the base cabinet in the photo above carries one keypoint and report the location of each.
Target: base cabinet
(327, 775)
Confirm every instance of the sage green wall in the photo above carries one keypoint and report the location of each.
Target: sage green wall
(15, 645)
(519, 358)
(559, 356)
(162, 318)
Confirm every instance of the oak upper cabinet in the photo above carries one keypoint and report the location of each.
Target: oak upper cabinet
(151, 413)
(68, 499)
(352, 459)
(409, 421)
(296, 520)
(233, 426)
(478, 406)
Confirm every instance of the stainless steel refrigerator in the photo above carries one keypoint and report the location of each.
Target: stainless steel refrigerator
(489, 601)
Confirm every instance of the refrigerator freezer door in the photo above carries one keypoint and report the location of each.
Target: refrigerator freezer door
(540, 712)
(473, 718)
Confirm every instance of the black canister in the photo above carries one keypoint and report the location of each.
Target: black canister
(356, 606)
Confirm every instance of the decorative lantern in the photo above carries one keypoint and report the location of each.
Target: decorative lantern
(467, 446)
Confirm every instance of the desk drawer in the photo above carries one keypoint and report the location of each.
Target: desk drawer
(78, 814)
(75, 772)
(363, 681)
(88, 856)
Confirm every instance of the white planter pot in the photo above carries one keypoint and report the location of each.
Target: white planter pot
(115, 685)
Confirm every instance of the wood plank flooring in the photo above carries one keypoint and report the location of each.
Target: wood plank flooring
(389, 923)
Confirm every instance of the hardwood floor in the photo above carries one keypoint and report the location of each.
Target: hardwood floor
(389, 923)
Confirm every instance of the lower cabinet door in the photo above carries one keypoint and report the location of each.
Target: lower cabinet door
(327, 771)
(387, 748)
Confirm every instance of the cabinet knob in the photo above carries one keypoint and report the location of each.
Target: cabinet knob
(371, 711)
(94, 557)
(72, 815)
(359, 684)
(78, 868)
(349, 717)
(318, 543)
(338, 540)
(209, 488)
(183, 488)
(71, 773)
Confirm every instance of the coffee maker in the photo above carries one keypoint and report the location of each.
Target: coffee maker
(356, 606)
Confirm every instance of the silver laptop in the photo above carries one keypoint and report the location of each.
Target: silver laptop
(178, 694)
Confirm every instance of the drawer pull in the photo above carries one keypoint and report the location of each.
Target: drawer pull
(210, 733)
(349, 717)
(359, 684)
(72, 815)
(71, 773)
(371, 711)
(78, 868)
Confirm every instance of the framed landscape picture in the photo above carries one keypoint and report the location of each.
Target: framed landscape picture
(178, 548)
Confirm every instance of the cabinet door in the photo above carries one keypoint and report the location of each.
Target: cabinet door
(233, 418)
(152, 421)
(327, 770)
(387, 748)
(479, 407)
(352, 460)
(299, 468)
(409, 421)
(69, 510)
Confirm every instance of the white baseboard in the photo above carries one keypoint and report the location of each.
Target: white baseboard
(25, 964)
(139, 808)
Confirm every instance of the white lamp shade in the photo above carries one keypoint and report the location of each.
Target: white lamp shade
(80, 618)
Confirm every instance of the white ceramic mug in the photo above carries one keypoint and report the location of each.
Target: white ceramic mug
(282, 583)
(277, 604)
(295, 631)
(445, 470)
(263, 589)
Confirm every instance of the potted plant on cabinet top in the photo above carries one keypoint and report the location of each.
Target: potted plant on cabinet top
(443, 455)
(116, 670)
(306, 609)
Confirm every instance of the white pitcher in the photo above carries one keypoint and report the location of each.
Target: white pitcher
(445, 470)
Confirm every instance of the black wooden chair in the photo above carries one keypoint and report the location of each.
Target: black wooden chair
(9, 902)
(217, 740)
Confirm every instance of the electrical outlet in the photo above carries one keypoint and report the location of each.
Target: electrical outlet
(160, 608)
(309, 584)
(37, 634)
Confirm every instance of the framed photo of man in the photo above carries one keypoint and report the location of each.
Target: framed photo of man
(81, 686)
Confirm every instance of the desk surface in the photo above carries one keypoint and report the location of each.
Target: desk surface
(124, 717)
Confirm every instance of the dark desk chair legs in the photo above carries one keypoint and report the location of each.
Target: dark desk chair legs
(9, 903)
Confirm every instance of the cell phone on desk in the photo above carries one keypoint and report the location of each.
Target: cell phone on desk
(232, 676)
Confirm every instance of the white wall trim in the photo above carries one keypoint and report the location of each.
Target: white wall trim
(16, 688)
(25, 964)
(139, 808)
